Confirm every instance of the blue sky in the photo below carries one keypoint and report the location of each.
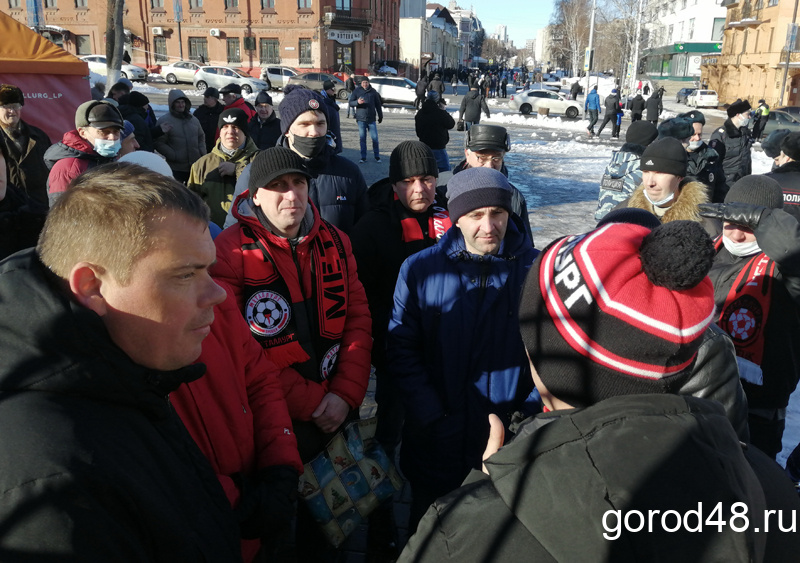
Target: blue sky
(524, 18)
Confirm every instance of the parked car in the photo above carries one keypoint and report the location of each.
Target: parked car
(779, 119)
(531, 100)
(683, 94)
(314, 81)
(182, 71)
(221, 76)
(703, 99)
(278, 75)
(394, 89)
(794, 110)
(97, 63)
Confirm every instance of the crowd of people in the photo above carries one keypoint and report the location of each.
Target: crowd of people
(193, 305)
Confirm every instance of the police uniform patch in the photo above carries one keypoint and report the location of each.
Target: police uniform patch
(267, 313)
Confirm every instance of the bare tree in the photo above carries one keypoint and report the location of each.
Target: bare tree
(571, 19)
(115, 33)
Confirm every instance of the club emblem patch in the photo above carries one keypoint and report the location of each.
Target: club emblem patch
(313, 104)
(743, 319)
(329, 362)
(267, 313)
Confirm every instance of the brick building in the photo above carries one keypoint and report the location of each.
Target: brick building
(306, 34)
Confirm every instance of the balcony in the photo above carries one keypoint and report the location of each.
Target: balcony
(746, 16)
(354, 18)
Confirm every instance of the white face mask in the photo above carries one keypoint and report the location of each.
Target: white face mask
(741, 248)
(694, 145)
(744, 121)
(667, 199)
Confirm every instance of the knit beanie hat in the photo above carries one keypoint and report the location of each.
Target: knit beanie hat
(273, 163)
(790, 145)
(737, 107)
(772, 144)
(756, 190)
(263, 97)
(127, 130)
(233, 116)
(137, 99)
(694, 116)
(328, 85)
(619, 310)
(10, 94)
(676, 128)
(297, 100)
(432, 95)
(641, 133)
(665, 155)
(412, 158)
(211, 92)
(474, 188)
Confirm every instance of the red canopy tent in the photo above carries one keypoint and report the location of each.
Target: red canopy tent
(53, 81)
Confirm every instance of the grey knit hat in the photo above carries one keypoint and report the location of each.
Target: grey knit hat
(756, 190)
(273, 163)
(474, 188)
(412, 158)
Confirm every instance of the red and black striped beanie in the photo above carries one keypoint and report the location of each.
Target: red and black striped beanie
(619, 310)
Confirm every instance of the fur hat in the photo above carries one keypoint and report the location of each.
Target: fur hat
(412, 158)
(273, 163)
(296, 100)
(756, 189)
(477, 187)
(694, 116)
(619, 310)
(676, 127)
(233, 116)
(665, 155)
(737, 107)
(790, 145)
(772, 144)
(10, 94)
(641, 133)
(98, 114)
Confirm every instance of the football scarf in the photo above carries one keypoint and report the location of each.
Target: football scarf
(421, 230)
(746, 309)
(300, 331)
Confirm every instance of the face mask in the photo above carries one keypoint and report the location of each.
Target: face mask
(107, 148)
(694, 145)
(308, 147)
(744, 122)
(741, 248)
(667, 199)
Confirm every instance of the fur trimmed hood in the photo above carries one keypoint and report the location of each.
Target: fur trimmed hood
(692, 194)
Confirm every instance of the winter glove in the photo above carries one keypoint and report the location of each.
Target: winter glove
(742, 214)
(267, 506)
(380, 119)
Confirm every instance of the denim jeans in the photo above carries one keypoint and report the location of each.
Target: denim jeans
(442, 160)
(362, 137)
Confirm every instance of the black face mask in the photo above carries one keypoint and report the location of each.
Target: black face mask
(308, 147)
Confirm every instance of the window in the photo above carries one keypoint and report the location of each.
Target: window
(234, 50)
(305, 52)
(267, 4)
(157, 4)
(669, 33)
(270, 52)
(82, 45)
(160, 45)
(683, 4)
(195, 4)
(198, 49)
(717, 29)
(303, 4)
(50, 4)
(13, 4)
(81, 3)
(691, 29)
(680, 31)
(231, 4)
(772, 3)
(343, 5)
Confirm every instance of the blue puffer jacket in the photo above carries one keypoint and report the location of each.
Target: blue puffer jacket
(592, 101)
(456, 353)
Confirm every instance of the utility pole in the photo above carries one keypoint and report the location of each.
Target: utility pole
(178, 9)
(591, 47)
(635, 69)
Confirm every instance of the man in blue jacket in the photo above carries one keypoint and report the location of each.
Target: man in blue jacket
(453, 345)
(592, 108)
(369, 107)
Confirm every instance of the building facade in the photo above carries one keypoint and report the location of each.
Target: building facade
(330, 35)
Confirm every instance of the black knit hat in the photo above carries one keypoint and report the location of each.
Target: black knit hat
(137, 99)
(231, 88)
(273, 163)
(10, 94)
(296, 100)
(790, 145)
(772, 144)
(756, 189)
(328, 85)
(412, 158)
(233, 116)
(676, 128)
(665, 155)
(694, 116)
(263, 97)
(632, 215)
(211, 92)
(474, 188)
(737, 107)
(641, 133)
(619, 310)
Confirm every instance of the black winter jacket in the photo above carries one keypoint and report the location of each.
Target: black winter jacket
(94, 463)
(706, 165)
(137, 117)
(265, 135)
(471, 106)
(637, 104)
(208, 118)
(548, 493)
(733, 145)
(611, 105)
(371, 109)
(21, 221)
(654, 108)
(788, 176)
(334, 122)
(432, 124)
(26, 169)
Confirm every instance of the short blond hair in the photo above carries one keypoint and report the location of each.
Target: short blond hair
(108, 217)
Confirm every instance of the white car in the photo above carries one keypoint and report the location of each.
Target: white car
(182, 71)
(220, 76)
(394, 89)
(703, 99)
(278, 75)
(531, 100)
(97, 63)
